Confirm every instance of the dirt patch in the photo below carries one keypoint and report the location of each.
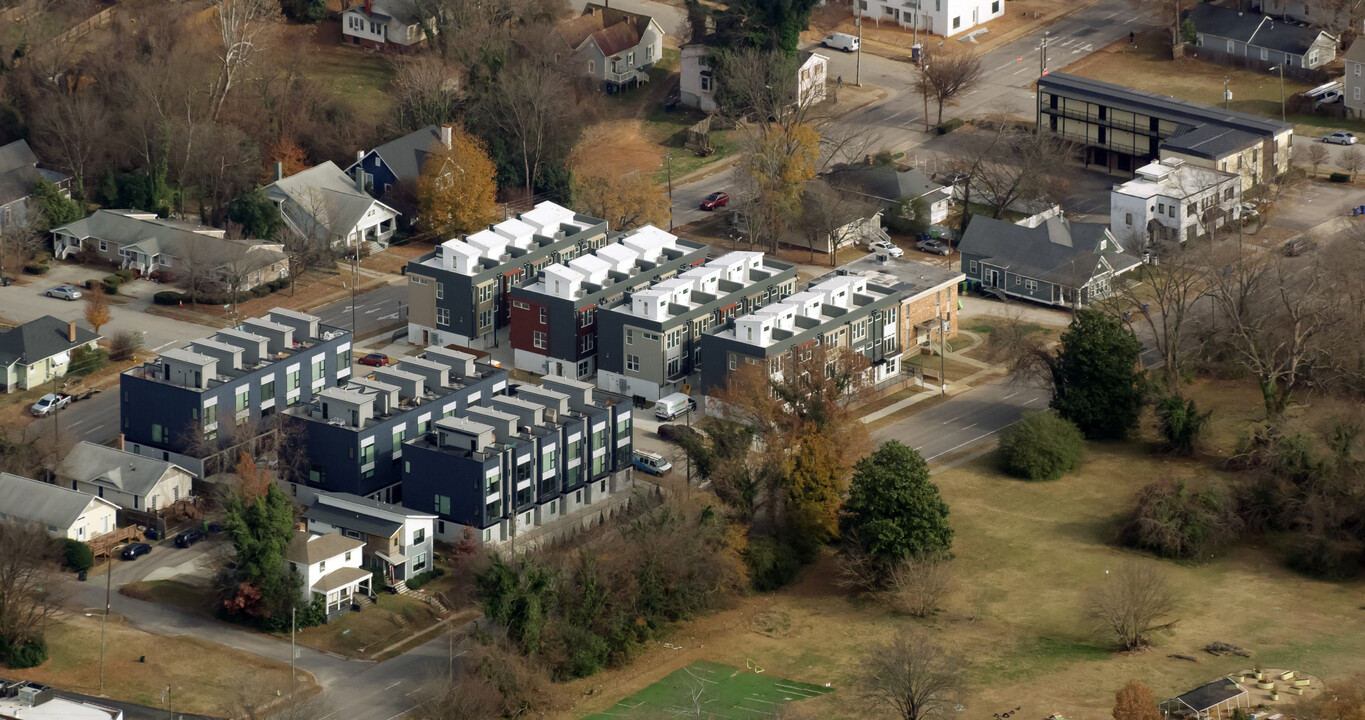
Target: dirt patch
(615, 148)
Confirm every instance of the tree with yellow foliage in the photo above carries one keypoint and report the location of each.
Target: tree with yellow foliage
(625, 202)
(289, 155)
(781, 160)
(457, 191)
(1135, 702)
(96, 307)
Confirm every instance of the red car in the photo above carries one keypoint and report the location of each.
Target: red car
(375, 360)
(715, 200)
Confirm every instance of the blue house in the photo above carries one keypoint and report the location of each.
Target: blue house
(391, 170)
(1056, 263)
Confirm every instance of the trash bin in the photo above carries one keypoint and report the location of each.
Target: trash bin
(6, 281)
(81, 576)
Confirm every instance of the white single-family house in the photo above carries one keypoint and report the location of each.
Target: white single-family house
(130, 480)
(34, 353)
(1173, 200)
(394, 25)
(941, 17)
(398, 541)
(327, 205)
(330, 567)
(617, 48)
(63, 513)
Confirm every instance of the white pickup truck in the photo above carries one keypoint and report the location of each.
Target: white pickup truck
(50, 403)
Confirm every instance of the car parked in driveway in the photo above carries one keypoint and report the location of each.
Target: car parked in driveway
(932, 245)
(50, 403)
(375, 360)
(64, 292)
(886, 246)
(715, 201)
(188, 538)
(1340, 138)
(133, 551)
(674, 433)
(1297, 247)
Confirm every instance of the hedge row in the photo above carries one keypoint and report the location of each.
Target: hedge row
(948, 126)
(173, 297)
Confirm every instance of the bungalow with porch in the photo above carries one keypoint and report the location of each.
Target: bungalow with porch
(34, 353)
(397, 541)
(1056, 263)
(330, 567)
(327, 205)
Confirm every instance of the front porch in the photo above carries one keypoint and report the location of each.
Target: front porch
(340, 589)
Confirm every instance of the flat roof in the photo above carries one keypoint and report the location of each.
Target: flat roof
(1165, 106)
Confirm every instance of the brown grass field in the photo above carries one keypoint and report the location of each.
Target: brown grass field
(1026, 554)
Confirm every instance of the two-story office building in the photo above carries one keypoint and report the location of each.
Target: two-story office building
(1173, 200)
(458, 293)
(354, 433)
(650, 345)
(554, 320)
(1122, 129)
(188, 403)
(845, 311)
(542, 454)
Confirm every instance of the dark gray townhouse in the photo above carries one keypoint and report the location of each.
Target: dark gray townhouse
(189, 402)
(521, 461)
(457, 294)
(846, 311)
(650, 343)
(354, 433)
(554, 320)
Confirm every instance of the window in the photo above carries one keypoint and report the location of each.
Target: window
(995, 7)
(398, 437)
(443, 316)
(348, 556)
(322, 566)
(241, 400)
(159, 434)
(589, 342)
(292, 381)
(587, 317)
(1231, 46)
(211, 415)
(649, 57)
(420, 536)
(1356, 67)
(544, 316)
(367, 454)
(538, 340)
(268, 389)
(1030, 285)
(485, 292)
(442, 504)
(734, 361)
(674, 365)
(973, 266)
(440, 291)
(419, 562)
(1161, 208)
(630, 336)
(104, 247)
(547, 461)
(1355, 92)
(1127, 218)
(633, 363)
(491, 482)
(1265, 54)
(1227, 194)
(957, 22)
(706, 78)
(485, 319)
(1189, 210)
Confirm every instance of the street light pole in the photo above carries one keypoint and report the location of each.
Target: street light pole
(668, 159)
(924, 87)
(858, 68)
(1280, 67)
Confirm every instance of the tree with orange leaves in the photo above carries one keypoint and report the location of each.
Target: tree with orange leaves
(1135, 702)
(289, 155)
(457, 191)
(96, 308)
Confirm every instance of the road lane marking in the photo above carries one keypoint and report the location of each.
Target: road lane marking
(969, 427)
(1007, 397)
(1030, 402)
(400, 682)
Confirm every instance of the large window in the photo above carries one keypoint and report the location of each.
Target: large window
(633, 363)
(398, 436)
(343, 359)
(538, 339)
(243, 396)
(442, 503)
(443, 316)
(210, 415)
(485, 318)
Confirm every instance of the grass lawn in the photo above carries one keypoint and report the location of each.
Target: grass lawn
(365, 633)
(361, 78)
(1026, 556)
(171, 592)
(713, 690)
(204, 678)
(930, 365)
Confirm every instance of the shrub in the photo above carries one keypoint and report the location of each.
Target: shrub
(169, 297)
(35, 269)
(126, 275)
(115, 279)
(417, 581)
(43, 257)
(85, 361)
(1041, 446)
(948, 126)
(1180, 423)
(772, 563)
(1175, 522)
(77, 556)
(1339, 177)
(126, 344)
(260, 291)
(111, 288)
(166, 276)
(314, 613)
(23, 653)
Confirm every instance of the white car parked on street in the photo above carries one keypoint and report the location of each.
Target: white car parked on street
(886, 246)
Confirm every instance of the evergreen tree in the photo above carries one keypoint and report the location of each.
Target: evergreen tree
(261, 527)
(1096, 383)
(54, 208)
(258, 216)
(893, 511)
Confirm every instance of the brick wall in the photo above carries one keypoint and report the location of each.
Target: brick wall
(925, 308)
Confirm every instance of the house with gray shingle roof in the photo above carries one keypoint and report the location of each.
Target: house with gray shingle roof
(63, 513)
(887, 185)
(617, 48)
(327, 205)
(39, 350)
(18, 172)
(394, 25)
(1226, 34)
(398, 541)
(1057, 263)
(1354, 80)
(129, 480)
(393, 169)
(142, 242)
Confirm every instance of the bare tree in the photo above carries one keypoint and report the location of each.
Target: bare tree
(531, 104)
(1169, 10)
(456, 694)
(29, 596)
(911, 676)
(1316, 154)
(1132, 603)
(1351, 160)
(918, 586)
(829, 217)
(242, 27)
(72, 129)
(1012, 165)
(425, 91)
(945, 76)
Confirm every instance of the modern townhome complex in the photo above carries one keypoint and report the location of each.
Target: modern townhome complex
(458, 294)
(184, 406)
(1123, 129)
(845, 311)
(399, 542)
(650, 344)
(554, 320)
(928, 295)
(354, 433)
(522, 461)
(1173, 200)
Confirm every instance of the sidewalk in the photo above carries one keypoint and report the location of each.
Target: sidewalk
(957, 355)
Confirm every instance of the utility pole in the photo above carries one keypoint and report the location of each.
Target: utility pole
(355, 281)
(924, 87)
(858, 68)
(108, 586)
(942, 348)
(1280, 67)
(668, 159)
(1042, 56)
(292, 625)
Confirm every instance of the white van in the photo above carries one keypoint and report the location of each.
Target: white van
(841, 41)
(667, 408)
(652, 463)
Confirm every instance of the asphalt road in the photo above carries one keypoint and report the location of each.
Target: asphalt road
(964, 420)
(374, 310)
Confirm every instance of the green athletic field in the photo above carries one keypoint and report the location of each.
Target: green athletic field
(712, 690)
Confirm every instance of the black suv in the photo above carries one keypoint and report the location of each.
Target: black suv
(133, 551)
(188, 538)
